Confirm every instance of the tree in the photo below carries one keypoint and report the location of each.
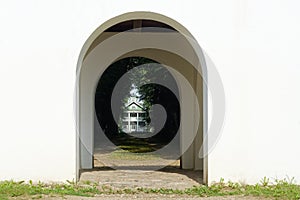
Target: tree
(149, 92)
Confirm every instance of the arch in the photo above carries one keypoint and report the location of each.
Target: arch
(84, 89)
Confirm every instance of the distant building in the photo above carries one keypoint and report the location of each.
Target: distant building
(134, 116)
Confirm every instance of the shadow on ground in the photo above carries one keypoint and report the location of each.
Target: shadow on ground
(167, 177)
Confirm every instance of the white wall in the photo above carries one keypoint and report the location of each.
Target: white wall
(254, 44)
(261, 79)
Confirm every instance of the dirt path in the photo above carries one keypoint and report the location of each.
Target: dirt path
(129, 175)
(169, 177)
(152, 197)
(133, 172)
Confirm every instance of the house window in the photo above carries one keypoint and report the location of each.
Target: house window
(132, 114)
(142, 114)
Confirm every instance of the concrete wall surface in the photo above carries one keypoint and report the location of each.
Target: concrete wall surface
(254, 45)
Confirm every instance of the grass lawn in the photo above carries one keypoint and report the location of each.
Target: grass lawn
(122, 154)
(280, 189)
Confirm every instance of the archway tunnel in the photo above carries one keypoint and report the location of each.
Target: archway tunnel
(135, 101)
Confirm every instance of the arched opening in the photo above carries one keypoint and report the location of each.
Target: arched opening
(137, 114)
(151, 36)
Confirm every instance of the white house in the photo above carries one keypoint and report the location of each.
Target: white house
(134, 116)
(236, 64)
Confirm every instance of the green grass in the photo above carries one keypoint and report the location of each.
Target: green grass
(10, 189)
(280, 189)
(137, 148)
(121, 154)
(135, 145)
(132, 151)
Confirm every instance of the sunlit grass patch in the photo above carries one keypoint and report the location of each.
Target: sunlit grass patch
(16, 189)
(279, 189)
(121, 154)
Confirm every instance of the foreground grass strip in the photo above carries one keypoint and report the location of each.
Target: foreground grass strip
(16, 189)
(281, 189)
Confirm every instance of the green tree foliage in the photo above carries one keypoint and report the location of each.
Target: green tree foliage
(149, 92)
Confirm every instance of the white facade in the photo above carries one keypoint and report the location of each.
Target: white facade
(254, 44)
(133, 119)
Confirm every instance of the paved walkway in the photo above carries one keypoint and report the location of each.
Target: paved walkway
(131, 174)
(169, 177)
(133, 171)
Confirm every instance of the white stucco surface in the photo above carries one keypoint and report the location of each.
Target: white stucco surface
(254, 44)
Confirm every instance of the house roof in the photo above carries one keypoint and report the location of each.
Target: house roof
(141, 107)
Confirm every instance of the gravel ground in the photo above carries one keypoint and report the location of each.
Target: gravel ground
(152, 197)
(132, 177)
(170, 177)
